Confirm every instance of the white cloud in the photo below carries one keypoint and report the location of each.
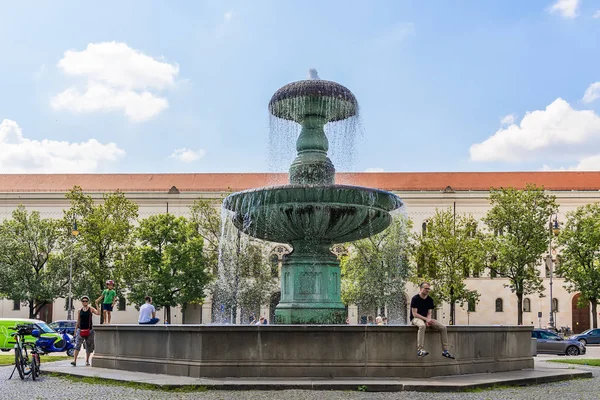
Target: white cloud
(507, 120)
(116, 77)
(566, 8)
(596, 14)
(22, 155)
(559, 131)
(186, 155)
(374, 170)
(592, 93)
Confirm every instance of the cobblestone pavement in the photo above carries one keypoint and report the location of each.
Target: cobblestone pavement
(59, 388)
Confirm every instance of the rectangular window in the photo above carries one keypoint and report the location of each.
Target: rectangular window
(16, 305)
(471, 307)
(122, 304)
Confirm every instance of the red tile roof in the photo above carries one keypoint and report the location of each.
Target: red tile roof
(397, 181)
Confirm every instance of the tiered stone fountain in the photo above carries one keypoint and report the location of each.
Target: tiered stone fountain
(312, 212)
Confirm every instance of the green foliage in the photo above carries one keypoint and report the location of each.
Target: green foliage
(519, 220)
(375, 271)
(105, 235)
(168, 263)
(207, 221)
(28, 272)
(449, 251)
(580, 255)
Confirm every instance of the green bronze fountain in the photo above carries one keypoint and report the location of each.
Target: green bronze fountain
(312, 213)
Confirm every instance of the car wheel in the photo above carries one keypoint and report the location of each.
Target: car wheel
(583, 342)
(572, 351)
(5, 350)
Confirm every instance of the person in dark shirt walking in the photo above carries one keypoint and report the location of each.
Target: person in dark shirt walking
(84, 330)
(421, 307)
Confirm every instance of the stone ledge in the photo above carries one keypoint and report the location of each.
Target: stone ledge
(457, 383)
(296, 351)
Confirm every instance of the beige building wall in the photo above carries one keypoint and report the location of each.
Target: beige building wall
(419, 206)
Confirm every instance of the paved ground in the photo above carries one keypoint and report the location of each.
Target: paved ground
(59, 388)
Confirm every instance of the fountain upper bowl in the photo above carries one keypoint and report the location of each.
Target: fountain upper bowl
(312, 213)
(313, 97)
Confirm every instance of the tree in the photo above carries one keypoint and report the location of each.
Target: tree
(452, 250)
(580, 255)
(28, 245)
(375, 271)
(207, 221)
(238, 262)
(168, 264)
(105, 233)
(519, 222)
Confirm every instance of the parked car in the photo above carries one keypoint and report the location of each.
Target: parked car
(591, 336)
(549, 342)
(64, 325)
(7, 342)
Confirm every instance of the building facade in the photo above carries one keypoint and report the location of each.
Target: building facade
(422, 194)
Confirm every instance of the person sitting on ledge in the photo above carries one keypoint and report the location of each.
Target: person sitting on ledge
(421, 307)
(148, 313)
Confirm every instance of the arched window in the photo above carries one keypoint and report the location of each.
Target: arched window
(554, 304)
(499, 305)
(526, 305)
(471, 306)
(424, 228)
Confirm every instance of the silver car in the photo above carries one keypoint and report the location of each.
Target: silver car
(549, 342)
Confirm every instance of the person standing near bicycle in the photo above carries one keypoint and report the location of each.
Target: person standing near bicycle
(84, 330)
(109, 298)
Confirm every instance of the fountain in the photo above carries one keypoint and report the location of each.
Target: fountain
(311, 213)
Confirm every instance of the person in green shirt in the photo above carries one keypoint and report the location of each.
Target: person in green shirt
(109, 298)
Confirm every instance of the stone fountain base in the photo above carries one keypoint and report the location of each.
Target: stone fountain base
(320, 351)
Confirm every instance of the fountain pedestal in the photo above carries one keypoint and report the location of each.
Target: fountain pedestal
(310, 287)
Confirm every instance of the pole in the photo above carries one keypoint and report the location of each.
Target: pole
(551, 267)
(70, 302)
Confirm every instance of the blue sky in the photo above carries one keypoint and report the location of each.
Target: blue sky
(165, 86)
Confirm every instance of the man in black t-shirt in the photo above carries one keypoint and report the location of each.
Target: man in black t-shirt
(421, 306)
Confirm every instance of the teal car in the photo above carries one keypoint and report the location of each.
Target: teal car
(7, 342)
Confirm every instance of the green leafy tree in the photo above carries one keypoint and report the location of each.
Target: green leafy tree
(205, 216)
(519, 222)
(375, 270)
(28, 245)
(168, 264)
(580, 255)
(449, 251)
(105, 234)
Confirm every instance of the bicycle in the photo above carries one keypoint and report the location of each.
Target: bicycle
(27, 358)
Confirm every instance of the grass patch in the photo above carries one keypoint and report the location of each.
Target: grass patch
(9, 359)
(131, 385)
(593, 362)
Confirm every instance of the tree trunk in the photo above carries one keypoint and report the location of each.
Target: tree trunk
(168, 314)
(101, 301)
(519, 308)
(183, 310)
(594, 313)
(452, 307)
(31, 304)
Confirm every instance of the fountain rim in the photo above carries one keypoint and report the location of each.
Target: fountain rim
(399, 203)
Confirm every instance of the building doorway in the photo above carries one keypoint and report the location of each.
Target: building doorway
(580, 316)
(275, 298)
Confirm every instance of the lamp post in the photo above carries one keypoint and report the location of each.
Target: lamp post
(74, 232)
(553, 230)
